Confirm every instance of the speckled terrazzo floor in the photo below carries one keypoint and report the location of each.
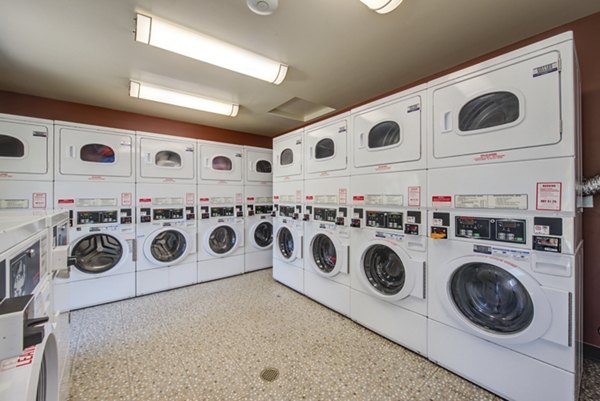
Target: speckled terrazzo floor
(211, 341)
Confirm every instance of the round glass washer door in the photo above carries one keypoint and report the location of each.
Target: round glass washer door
(98, 253)
(494, 299)
(327, 256)
(287, 244)
(166, 246)
(221, 240)
(261, 235)
(387, 271)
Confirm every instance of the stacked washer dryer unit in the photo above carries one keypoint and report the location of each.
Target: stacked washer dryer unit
(288, 207)
(505, 249)
(388, 249)
(258, 202)
(166, 212)
(34, 374)
(326, 217)
(26, 163)
(95, 183)
(220, 210)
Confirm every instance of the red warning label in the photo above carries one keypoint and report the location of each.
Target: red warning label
(441, 201)
(549, 196)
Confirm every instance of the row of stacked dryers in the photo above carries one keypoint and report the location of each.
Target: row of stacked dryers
(147, 212)
(446, 218)
(34, 334)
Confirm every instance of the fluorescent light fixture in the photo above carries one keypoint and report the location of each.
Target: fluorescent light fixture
(147, 91)
(382, 6)
(166, 35)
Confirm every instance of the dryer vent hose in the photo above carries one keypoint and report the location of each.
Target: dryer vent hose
(591, 186)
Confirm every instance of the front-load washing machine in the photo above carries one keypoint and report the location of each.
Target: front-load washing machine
(522, 105)
(326, 148)
(288, 226)
(90, 153)
(288, 157)
(327, 243)
(26, 163)
(388, 255)
(220, 231)
(259, 166)
(220, 163)
(388, 135)
(507, 288)
(165, 159)
(258, 227)
(166, 237)
(102, 241)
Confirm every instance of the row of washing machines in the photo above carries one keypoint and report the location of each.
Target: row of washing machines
(446, 218)
(147, 212)
(34, 334)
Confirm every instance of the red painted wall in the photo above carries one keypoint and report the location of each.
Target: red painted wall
(33, 106)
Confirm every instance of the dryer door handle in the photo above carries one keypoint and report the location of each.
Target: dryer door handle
(362, 140)
(447, 122)
(71, 151)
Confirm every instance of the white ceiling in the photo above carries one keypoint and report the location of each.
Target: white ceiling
(340, 53)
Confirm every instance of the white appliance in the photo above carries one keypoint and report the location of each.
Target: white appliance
(522, 105)
(327, 243)
(166, 237)
(220, 163)
(220, 231)
(507, 288)
(258, 227)
(90, 153)
(288, 157)
(26, 163)
(388, 255)
(102, 238)
(259, 166)
(388, 134)
(25, 149)
(288, 226)
(538, 186)
(165, 159)
(326, 148)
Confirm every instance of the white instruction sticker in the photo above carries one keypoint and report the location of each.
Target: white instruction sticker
(189, 198)
(87, 202)
(411, 219)
(437, 222)
(509, 201)
(343, 195)
(298, 196)
(541, 230)
(39, 200)
(126, 198)
(14, 203)
(414, 196)
(549, 196)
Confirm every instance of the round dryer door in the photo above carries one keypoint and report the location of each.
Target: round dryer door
(166, 246)
(262, 235)
(98, 253)
(327, 256)
(388, 271)
(221, 240)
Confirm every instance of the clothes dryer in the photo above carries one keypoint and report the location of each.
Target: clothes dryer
(102, 236)
(220, 231)
(26, 195)
(388, 134)
(165, 159)
(288, 226)
(166, 237)
(90, 153)
(288, 157)
(522, 105)
(259, 166)
(388, 257)
(258, 227)
(327, 242)
(507, 288)
(220, 163)
(326, 148)
(26, 152)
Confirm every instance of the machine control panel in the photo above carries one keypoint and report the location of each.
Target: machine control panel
(286, 211)
(126, 216)
(221, 212)
(145, 216)
(167, 214)
(190, 213)
(204, 214)
(263, 209)
(98, 217)
(390, 220)
(489, 228)
(325, 214)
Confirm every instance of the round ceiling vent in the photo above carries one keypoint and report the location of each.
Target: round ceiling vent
(263, 7)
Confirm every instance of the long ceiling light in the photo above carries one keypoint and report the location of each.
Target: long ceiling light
(147, 91)
(382, 6)
(166, 35)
